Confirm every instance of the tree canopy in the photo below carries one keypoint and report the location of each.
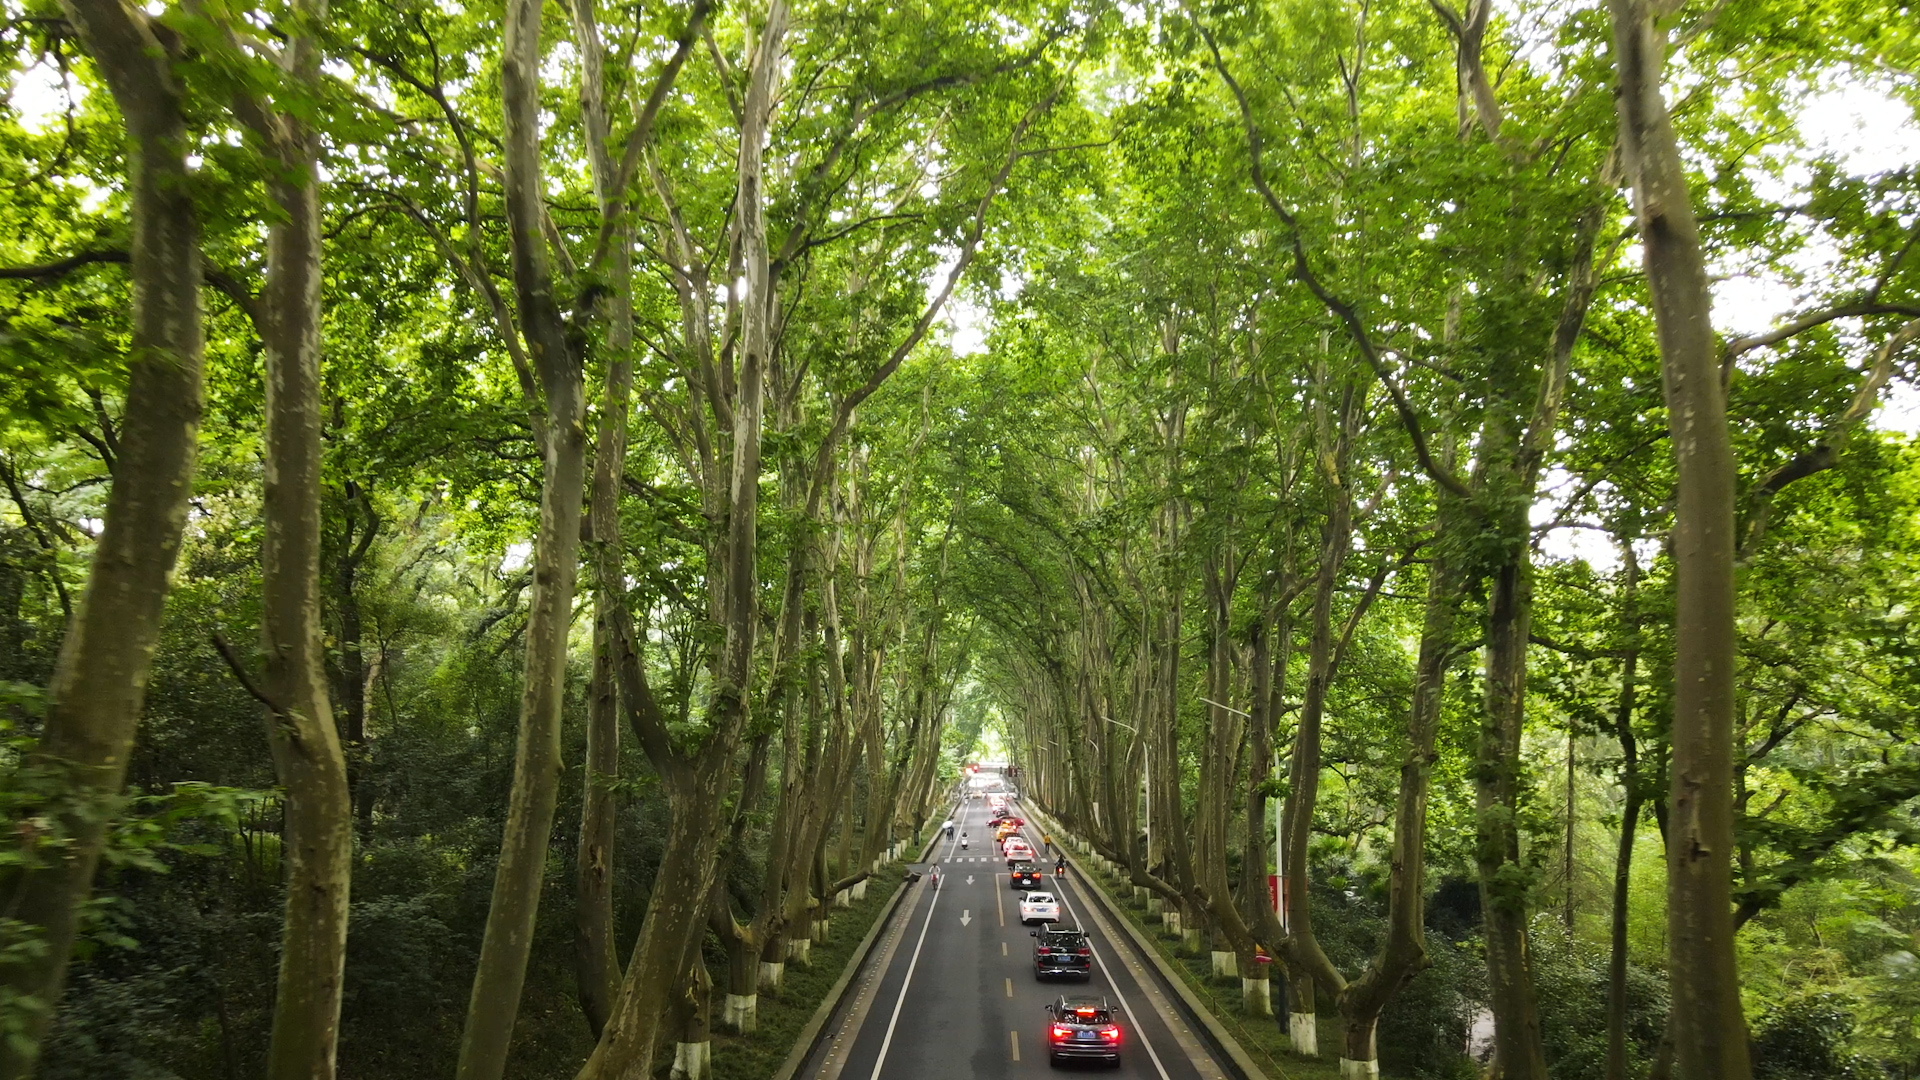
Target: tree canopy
(515, 513)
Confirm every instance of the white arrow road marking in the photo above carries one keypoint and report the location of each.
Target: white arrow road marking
(969, 879)
(965, 917)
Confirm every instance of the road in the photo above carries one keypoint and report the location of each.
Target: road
(949, 991)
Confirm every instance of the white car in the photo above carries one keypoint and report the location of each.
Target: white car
(1039, 907)
(1016, 848)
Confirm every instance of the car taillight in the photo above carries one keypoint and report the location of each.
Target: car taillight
(1042, 950)
(1061, 1032)
(1110, 1033)
(1086, 952)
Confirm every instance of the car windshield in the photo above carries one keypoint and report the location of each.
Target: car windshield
(1039, 898)
(1084, 1013)
(1023, 868)
(1061, 941)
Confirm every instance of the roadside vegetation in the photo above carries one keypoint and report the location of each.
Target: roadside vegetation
(510, 512)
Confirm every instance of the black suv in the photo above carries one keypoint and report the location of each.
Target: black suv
(1025, 875)
(1082, 1027)
(1062, 952)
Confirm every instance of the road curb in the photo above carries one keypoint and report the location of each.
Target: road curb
(1216, 1033)
(809, 1037)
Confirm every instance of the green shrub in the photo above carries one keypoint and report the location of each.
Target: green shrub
(1806, 1040)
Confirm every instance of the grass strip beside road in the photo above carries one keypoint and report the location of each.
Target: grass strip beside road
(1264, 1038)
(759, 1054)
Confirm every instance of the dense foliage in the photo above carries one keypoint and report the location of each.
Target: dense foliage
(638, 453)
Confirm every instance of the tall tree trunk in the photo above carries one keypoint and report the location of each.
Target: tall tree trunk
(1505, 479)
(495, 999)
(99, 681)
(697, 785)
(596, 967)
(1307, 964)
(1566, 858)
(1517, 1050)
(318, 848)
(352, 677)
(668, 934)
(692, 1021)
(1234, 946)
(1404, 952)
(1709, 1028)
(1629, 820)
(1272, 645)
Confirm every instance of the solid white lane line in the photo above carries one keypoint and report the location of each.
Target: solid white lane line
(904, 985)
(1144, 1041)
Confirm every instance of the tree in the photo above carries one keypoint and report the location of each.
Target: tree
(100, 680)
(1708, 1026)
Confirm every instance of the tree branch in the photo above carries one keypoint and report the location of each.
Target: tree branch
(796, 236)
(1825, 452)
(220, 280)
(1303, 270)
(640, 136)
(240, 673)
(843, 413)
(1741, 346)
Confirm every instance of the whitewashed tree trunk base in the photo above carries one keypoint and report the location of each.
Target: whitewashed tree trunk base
(772, 975)
(1303, 1029)
(822, 928)
(859, 890)
(1359, 1070)
(1226, 964)
(1190, 941)
(692, 1061)
(1256, 996)
(741, 1013)
(843, 899)
(800, 951)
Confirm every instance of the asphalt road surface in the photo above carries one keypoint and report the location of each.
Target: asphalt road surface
(949, 991)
